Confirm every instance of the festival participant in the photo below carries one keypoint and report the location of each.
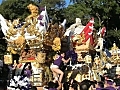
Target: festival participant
(118, 76)
(117, 82)
(99, 85)
(56, 64)
(28, 71)
(86, 84)
(27, 67)
(14, 68)
(109, 85)
(73, 85)
(73, 55)
(54, 85)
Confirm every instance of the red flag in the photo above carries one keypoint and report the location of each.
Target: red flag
(88, 30)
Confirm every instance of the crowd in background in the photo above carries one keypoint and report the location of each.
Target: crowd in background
(108, 81)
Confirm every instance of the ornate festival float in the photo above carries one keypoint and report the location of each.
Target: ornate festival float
(32, 40)
(36, 38)
(93, 57)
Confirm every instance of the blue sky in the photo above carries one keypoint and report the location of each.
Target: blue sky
(67, 2)
(0, 1)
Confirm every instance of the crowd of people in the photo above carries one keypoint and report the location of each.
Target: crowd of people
(107, 81)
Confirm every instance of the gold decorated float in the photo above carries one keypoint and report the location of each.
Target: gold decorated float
(32, 41)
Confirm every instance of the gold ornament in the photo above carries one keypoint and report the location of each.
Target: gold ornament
(33, 9)
(11, 50)
(56, 44)
(19, 42)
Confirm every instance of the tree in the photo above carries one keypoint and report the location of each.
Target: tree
(54, 9)
(77, 11)
(107, 10)
(75, 1)
(113, 36)
(13, 9)
(3, 46)
(53, 3)
(56, 15)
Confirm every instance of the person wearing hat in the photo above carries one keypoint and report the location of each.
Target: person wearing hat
(109, 84)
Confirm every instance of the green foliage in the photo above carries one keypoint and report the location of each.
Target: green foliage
(53, 3)
(77, 11)
(113, 36)
(13, 9)
(54, 9)
(2, 48)
(108, 11)
(56, 15)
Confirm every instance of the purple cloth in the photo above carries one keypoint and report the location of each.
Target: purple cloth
(109, 82)
(40, 17)
(110, 88)
(28, 73)
(52, 89)
(71, 54)
(58, 61)
(42, 24)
